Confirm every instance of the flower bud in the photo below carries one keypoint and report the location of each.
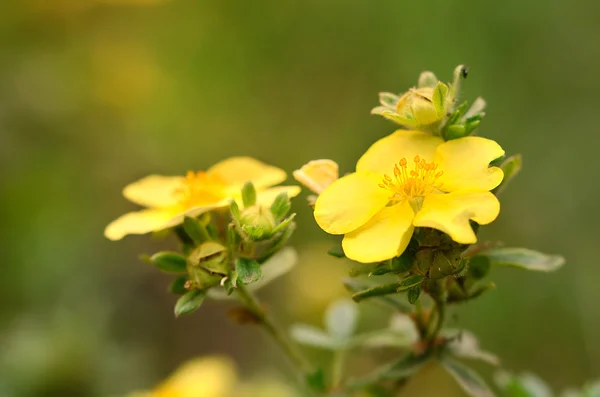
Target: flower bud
(257, 222)
(209, 256)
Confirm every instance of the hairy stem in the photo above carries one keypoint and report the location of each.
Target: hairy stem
(339, 359)
(291, 350)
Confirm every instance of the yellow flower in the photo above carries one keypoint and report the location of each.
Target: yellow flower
(317, 175)
(170, 198)
(411, 179)
(202, 377)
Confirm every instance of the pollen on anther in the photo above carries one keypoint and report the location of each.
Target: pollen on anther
(403, 162)
(417, 159)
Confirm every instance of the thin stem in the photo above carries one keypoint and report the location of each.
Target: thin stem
(339, 359)
(291, 350)
(440, 306)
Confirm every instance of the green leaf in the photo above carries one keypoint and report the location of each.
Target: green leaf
(440, 92)
(398, 370)
(195, 230)
(248, 194)
(467, 379)
(281, 206)
(189, 302)
(476, 108)
(356, 286)
(388, 100)
(316, 381)
(341, 319)
(276, 266)
(427, 79)
(525, 385)
(464, 344)
(402, 263)
(177, 286)
(511, 167)
(313, 336)
(524, 258)
(337, 252)
(248, 270)
(169, 262)
(377, 290)
(413, 294)
(409, 282)
(479, 267)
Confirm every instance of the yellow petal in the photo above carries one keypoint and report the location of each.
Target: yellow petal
(236, 171)
(205, 377)
(177, 214)
(317, 175)
(350, 202)
(385, 236)
(451, 212)
(139, 222)
(386, 152)
(154, 191)
(465, 164)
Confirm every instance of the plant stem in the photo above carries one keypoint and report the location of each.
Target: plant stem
(291, 350)
(440, 306)
(339, 358)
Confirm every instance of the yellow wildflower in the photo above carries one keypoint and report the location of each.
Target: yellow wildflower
(411, 179)
(170, 198)
(202, 377)
(317, 175)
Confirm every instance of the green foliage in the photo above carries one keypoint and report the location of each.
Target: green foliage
(511, 167)
(468, 379)
(169, 262)
(195, 230)
(190, 302)
(177, 286)
(248, 271)
(524, 258)
(281, 206)
(248, 195)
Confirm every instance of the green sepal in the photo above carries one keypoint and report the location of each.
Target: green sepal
(511, 166)
(248, 194)
(395, 117)
(337, 252)
(234, 209)
(210, 256)
(409, 282)
(177, 286)
(195, 230)
(402, 263)
(248, 271)
(389, 100)
(440, 93)
(427, 79)
(281, 206)
(169, 262)
(189, 302)
(455, 131)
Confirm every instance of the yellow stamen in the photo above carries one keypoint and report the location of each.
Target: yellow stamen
(408, 184)
(199, 188)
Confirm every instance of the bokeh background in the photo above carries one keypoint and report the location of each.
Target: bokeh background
(97, 93)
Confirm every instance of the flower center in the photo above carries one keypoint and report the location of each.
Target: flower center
(199, 188)
(409, 184)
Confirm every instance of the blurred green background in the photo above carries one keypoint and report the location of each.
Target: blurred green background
(97, 93)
